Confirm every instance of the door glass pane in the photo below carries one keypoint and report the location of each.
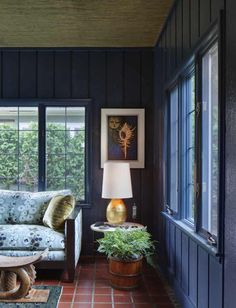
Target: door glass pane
(173, 198)
(65, 149)
(210, 135)
(19, 148)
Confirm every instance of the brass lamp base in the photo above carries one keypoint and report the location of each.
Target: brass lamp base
(116, 212)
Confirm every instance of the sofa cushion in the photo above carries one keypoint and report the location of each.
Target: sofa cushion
(30, 237)
(20, 207)
(59, 208)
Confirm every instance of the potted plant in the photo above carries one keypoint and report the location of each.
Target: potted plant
(125, 250)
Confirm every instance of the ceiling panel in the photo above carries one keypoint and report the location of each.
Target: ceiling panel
(76, 23)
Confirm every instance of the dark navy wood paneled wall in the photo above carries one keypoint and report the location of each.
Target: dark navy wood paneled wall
(112, 78)
(195, 273)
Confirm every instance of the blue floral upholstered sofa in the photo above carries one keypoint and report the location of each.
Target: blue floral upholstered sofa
(22, 231)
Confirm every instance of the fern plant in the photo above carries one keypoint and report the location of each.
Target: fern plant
(126, 244)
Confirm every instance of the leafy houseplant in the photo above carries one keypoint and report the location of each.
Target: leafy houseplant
(125, 250)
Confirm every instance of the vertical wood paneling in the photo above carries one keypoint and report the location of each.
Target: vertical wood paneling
(167, 241)
(205, 15)
(45, 74)
(147, 103)
(194, 21)
(62, 74)
(179, 32)
(132, 99)
(186, 27)
(173, 42)
(132, 80)
(192, 278)
(178, 250)
(203, 278)
(10, 74)
(193, 269)
(168, 50)
(80, 76)
(215, 7)
(185, 263)
(172, 248)
(28, 67)
(215, 284)
(115, 79)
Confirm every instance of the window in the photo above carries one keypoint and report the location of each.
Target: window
(210, 140)
(44, 148)
(189, 146)
(193, 146)
(173, 150)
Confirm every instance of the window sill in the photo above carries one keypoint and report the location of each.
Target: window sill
(193, 235)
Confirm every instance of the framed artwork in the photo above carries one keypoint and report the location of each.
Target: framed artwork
(122, 136)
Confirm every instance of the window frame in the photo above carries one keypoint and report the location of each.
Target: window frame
(42, 104)
(176, 214)
(203, 232)
(195, 64)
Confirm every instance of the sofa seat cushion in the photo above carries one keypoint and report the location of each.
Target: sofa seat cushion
(22, 207)
(30, 237)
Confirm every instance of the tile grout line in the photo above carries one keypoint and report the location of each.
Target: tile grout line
(94, 281)
(75, 288)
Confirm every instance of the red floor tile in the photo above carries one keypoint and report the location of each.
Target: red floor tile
(91, 288)
(83, 298)
(102, 305)
(66, 298)
(104, 290)
(122, 299)
(105, 298)
(81, 290)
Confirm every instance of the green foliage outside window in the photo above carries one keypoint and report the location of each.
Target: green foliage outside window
(65, 158)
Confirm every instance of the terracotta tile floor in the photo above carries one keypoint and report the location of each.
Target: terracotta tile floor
(91, 288)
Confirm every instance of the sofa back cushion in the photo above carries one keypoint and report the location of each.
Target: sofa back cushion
(21, 207)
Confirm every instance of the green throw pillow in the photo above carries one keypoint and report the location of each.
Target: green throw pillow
(59, 209)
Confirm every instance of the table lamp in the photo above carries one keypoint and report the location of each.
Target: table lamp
(116, 186)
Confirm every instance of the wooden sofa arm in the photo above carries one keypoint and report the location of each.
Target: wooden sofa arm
(74, 214)
(70, 243)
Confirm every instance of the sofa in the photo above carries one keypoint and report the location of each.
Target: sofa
(22, 232)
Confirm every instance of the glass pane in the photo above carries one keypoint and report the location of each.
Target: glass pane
(28, 142)
(28, 118)
(210, 146)
(8, 118)
(19, 135)
(55, 118)
(8, 170)
(55, 141)
(8, 140)
(75, 165)
(56, 166)
(174, 149)
(75, 118)
(75, 142)
(65, 148)
(28, 172)
(190, 146)
(55, 183)
(77, 186)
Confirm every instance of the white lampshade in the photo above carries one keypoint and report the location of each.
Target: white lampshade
(116, 181)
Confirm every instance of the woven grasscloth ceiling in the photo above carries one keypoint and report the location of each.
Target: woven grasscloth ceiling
(81, 23)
